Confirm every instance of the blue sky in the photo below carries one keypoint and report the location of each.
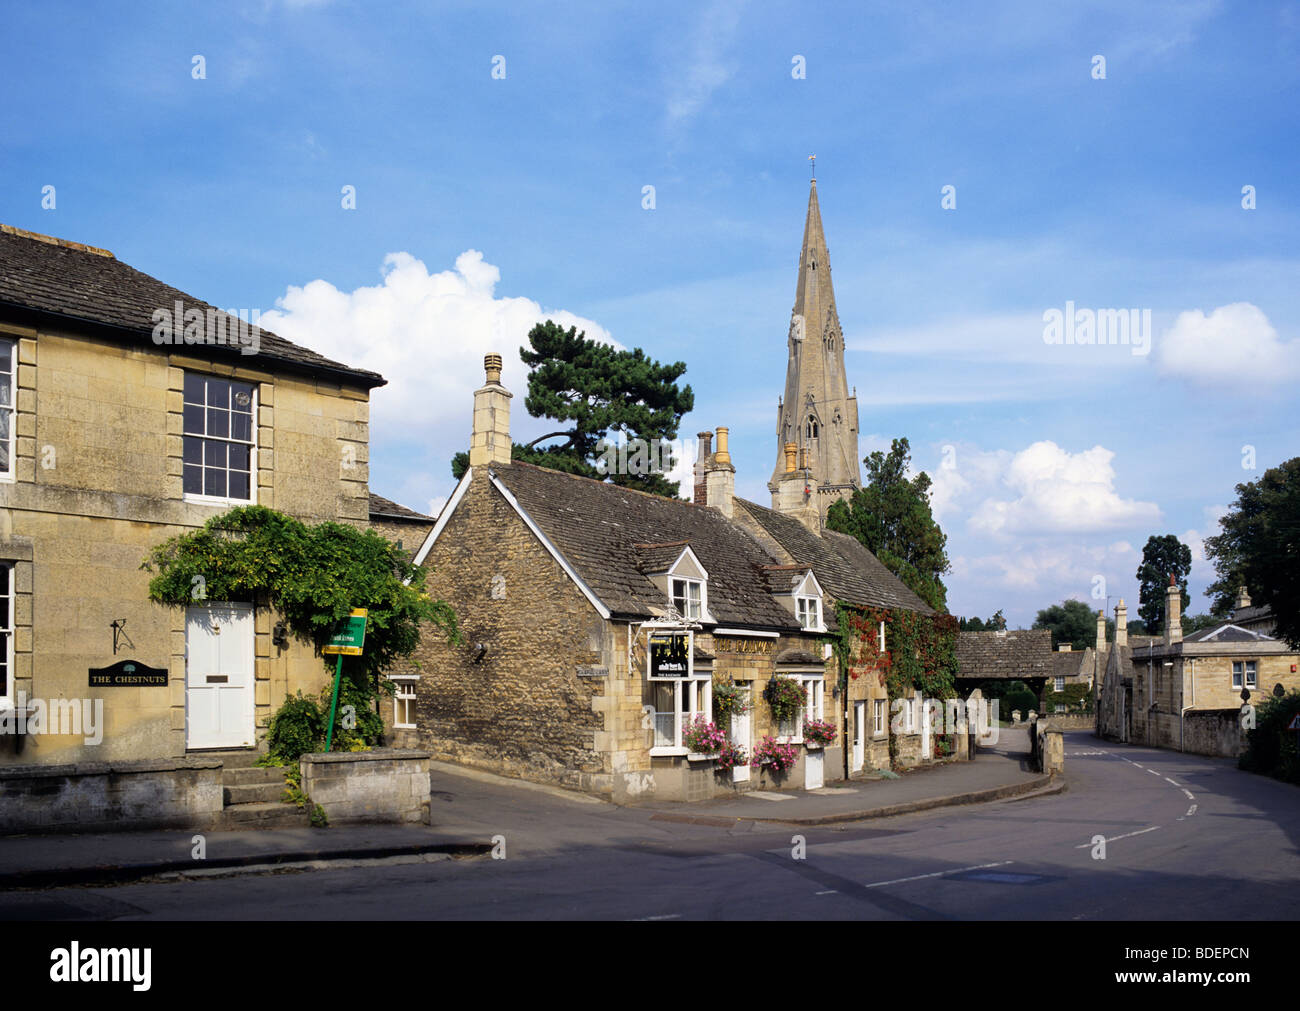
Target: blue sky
(484, 202)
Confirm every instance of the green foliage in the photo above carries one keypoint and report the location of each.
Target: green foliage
(594, 389)
(1271, 749)
(728, 701)
(1161, 557)
(784, 695)
(891, 516)
(921, 650)
(993, 624)
(1259, 547)
(313, 576)
(1020, 698)
(297, 729)
(1072, 622)
(1076, 697)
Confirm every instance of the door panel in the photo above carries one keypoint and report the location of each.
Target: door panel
(859, 736)
(740, 736)
(219, 676)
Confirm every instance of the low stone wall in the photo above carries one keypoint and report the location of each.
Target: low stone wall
(111, 796)
(1071, 721)
(1215, 732)
(383, 785)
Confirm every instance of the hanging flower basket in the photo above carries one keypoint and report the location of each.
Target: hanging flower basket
(780, 758)
(785, 696)
(819, 732)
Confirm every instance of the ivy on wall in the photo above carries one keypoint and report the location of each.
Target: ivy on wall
(920, 650)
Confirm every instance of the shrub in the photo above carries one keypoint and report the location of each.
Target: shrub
(1270, 747)
(297, 729)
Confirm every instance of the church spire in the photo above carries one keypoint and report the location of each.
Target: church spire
(817, 414)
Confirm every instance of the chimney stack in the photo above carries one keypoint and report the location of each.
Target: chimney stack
(790, 450)
(703, 449)
(1173, 612)
(796, 491)
(1121, 624)
(720, 477)
(490, 440)
(1101, 630)
(1243, 598)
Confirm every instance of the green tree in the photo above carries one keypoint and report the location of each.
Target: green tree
(891, 516)
(313, 576)
(1259, 548)
(1072, 622)
(593, 390)
(1161, 558)
(998, 621)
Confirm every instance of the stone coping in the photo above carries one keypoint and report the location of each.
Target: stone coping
(374, 755)
(108, 768)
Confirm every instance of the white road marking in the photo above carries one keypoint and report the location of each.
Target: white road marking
(1191, 811)
(1172, 783)
(1189, 794)
(646, 919)
(829, 891)
(1135, 763)
(1126, 835)
(937, 874)
(1153, 772)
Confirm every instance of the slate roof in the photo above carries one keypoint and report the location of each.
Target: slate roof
(657, 558)
(1010, 655)
(597, 526)
(844, 568)
(1072, 663)
(387, 508)
(1227, 633)
(46, 279)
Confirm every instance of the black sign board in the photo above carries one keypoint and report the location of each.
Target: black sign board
(670, 656)
(128, 674)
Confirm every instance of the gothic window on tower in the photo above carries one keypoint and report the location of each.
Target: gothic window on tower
(812, 427)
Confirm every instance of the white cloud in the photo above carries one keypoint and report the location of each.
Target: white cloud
(707, 67)
(1058, 491)
(1235, 343)
(426, 333)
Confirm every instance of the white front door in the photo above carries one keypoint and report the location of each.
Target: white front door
(740, 737)
(859, 736)
(927, 731)
(219, 676)
(814, 769)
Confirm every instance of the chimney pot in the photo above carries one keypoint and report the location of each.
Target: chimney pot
(790, 452)
(492, 366)
(722, 455)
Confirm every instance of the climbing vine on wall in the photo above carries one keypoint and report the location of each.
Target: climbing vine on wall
(920, 650)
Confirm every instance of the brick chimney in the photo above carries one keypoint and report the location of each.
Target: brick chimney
(1173, 612)
(490, 441)
(703, 450)
(720, 477)
(1121, 624)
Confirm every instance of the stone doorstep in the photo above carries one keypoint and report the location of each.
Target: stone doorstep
(252, 776)
(253, 793)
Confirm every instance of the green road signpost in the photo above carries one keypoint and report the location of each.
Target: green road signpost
(348, 640)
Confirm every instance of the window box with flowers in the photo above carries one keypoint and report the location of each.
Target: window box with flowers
(819, 733)
(780, 758)
(730, 757)
(703, 740)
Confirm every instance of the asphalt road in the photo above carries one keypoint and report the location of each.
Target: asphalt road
(1187, 838)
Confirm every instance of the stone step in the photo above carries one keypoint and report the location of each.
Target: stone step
(252, 777)
(264, 816)
(254, 793)
(235, 758)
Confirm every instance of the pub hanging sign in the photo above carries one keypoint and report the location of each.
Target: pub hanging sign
(670, 655)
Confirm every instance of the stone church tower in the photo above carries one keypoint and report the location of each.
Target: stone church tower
(816, 417)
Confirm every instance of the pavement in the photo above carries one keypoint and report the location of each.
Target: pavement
(470, 807)
(998, 773)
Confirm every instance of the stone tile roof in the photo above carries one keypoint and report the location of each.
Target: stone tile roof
(387, 508)
(658, 558)
(844, 568)
(597, 527)
(1011, 654)
(1072, 663)
(77, 284)
(1227, 633)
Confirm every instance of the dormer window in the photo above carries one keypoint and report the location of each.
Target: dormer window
(687, 595)
(809, 612)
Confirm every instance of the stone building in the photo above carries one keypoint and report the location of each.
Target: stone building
(1187, 693)
(131, 412)
(817, 414)
(599, 621)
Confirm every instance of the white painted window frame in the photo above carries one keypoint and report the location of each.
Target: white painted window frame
(803, 606)
(879, 718)
(687, 584)
(814, 704)
(403, 681)
(220, 500)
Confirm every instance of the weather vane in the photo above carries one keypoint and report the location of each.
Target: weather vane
(813, 158)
